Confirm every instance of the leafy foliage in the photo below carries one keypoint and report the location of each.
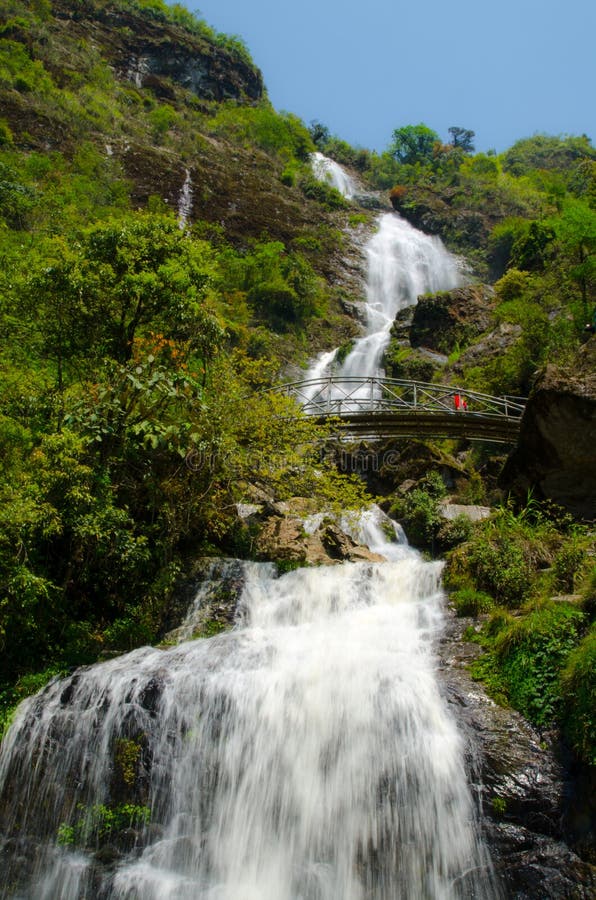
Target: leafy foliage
(578, 696)
(94, 825)
(414, 143)
(525, 657)
(419, 513)
(540, 659)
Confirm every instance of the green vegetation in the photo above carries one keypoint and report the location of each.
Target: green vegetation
(126, 757)
(418, 511)
(539, 645)
(97, 824)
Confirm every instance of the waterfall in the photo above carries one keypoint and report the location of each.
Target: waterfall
(138, 67)
(402, 263)
(185, 201)
(328, 170)
(308, 754)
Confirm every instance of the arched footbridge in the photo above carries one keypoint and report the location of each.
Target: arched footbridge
(376, 407)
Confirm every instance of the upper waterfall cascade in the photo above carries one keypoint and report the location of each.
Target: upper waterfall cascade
(306, 755)
(402, 263)
(333, 174)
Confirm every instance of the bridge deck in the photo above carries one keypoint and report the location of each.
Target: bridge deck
(472, 426)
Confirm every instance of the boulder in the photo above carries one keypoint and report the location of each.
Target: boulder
(556, 452)
(285, 538)
(451, 319)
(451, 511)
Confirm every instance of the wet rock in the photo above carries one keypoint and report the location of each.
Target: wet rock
(354, 309)
(400, 330)
(285, 538)
(522, 786)
(150, 695)
(209, 594)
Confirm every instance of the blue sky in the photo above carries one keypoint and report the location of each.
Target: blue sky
(506, 70)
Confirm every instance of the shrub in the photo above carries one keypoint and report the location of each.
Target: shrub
(469, 602)
(589, 594)
(578, 693)
(5, 133)
(567, 565)
(531, 652)
(454, 531)
(419, 512)
(323, 193)
(502, 569)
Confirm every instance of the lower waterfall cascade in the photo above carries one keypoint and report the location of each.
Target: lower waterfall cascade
(307, 754)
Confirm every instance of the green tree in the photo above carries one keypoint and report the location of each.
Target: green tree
(319, 133)
(462, 138)
(414, 144)
(543, 151)
(576, 230)
(120, 279)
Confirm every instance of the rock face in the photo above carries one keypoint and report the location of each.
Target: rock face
(525, 794)
(449, 319)
(285, 538)
(556, 452)
(442, 215)
(490, 346)
(154, 52)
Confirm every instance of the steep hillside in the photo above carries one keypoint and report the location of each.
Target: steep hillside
(154, 100)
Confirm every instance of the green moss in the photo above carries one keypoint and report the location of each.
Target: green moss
(288, 565)
(209, 628)
(126, 756)
(499, 805)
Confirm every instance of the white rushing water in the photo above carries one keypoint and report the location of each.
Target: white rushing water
(306, 755)
(402, 263)
(185, 199)
(332, 173)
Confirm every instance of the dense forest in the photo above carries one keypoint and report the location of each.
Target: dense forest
(141, 324)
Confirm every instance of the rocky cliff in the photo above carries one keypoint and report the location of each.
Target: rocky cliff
(157, 53)
(556, 453)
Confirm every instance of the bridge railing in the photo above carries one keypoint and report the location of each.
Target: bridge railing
(350, 395)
